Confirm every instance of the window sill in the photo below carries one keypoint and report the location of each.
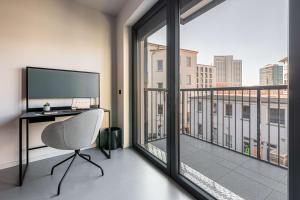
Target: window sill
(276, 125)
(245, 119)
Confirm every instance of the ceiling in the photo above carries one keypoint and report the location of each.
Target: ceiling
(111, 7)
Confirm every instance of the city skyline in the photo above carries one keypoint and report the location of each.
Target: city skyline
(242, 29)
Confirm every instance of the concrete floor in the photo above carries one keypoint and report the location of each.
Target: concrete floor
(127, 176)
(234, 173)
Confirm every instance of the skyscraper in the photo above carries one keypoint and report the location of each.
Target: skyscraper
(271, 74)
(229, 71)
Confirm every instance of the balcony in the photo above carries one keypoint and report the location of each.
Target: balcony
(233, 141)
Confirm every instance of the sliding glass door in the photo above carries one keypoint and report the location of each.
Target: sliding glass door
(233, 97)
(151, 87)
(212, 96)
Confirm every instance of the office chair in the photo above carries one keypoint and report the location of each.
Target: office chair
(74, 134)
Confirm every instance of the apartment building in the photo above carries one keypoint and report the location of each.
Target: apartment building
(155, 77)
(157, 63)
(235, 124)
(228, 70)
(206, 76)
(285, 63)
(271, 74)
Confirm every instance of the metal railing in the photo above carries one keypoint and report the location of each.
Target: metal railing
(249, 120)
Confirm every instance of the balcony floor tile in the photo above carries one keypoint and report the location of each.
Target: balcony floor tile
(247, 177)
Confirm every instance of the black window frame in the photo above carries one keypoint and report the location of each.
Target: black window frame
(173, 9)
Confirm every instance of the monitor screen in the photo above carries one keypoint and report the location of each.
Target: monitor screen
(45, 83)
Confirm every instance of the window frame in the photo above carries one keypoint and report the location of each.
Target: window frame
(160, 68)
(173, 10)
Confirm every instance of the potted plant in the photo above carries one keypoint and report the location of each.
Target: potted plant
(47, 107)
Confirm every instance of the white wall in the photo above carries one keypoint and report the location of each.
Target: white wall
(131, 12)
(49, 33)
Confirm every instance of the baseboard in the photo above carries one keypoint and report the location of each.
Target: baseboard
(39, 154)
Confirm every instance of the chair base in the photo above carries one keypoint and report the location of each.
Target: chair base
(77, 153)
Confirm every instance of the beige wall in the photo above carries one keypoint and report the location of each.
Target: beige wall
(49, 33)
(130, 13)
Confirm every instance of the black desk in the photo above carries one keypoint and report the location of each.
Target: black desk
(35, 117)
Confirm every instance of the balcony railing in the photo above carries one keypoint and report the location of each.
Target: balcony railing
(248, 120)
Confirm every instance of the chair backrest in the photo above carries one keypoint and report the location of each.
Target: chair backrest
(82, 130)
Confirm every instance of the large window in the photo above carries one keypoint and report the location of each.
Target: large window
(235, 46)
(151, 87)
(195, 95)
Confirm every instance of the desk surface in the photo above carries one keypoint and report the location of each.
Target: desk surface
(58, 113)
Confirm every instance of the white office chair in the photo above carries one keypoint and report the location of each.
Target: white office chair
(74, 134)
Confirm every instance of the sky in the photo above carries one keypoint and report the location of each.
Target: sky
(255, 31)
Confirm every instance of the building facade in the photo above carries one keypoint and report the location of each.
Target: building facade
(271, 74)
(157, 67)
(235, 125)
(285, 63)
(228, 71)
(156, 78)
(206, 76)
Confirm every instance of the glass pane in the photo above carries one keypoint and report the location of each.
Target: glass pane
(233, 93)
(153, 93)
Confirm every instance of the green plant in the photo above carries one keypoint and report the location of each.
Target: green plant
(47, 104)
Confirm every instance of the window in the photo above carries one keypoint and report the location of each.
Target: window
(246, 112)
(205, 69)
(274, 118)
(228, 110)
(188, 61)
(210, 75)
(160, 66)
(189, 80)
(215, 135)
(210, 70)
(199, 106)
(160, 109)
(214, 107)
(200, 130)
(188, 116)
(201, 69)
(160, 85)
(228, 140)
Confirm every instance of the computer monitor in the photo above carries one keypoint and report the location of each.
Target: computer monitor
(46, 83)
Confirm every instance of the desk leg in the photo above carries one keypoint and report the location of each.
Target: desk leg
(27, 142)
(20, 152)
(21, 173)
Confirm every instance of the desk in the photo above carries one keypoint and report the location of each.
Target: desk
(38, 116)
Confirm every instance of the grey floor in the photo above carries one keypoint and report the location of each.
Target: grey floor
(127, 176)
(249, 178)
